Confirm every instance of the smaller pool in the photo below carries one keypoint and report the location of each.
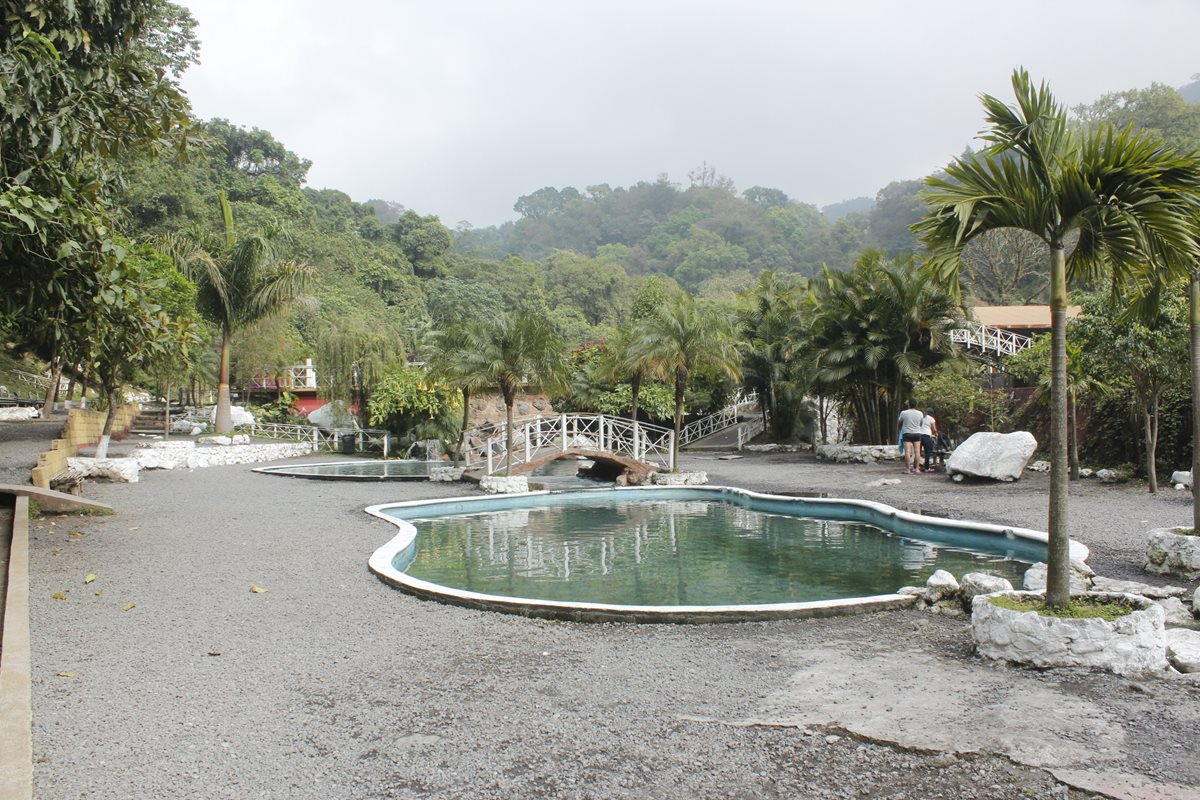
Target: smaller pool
(373, 470)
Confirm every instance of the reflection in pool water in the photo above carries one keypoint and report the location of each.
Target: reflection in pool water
(692, 552)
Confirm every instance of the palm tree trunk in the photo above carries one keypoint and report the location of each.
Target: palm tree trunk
(680, 387)
(508, 433)
(1074, 420)
(1058, 572)
(1194, 329)
(1151, 421)
(224, 420)
(466, 420)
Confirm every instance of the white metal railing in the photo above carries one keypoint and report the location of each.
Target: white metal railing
(715, 423)
(320, 438)
(987, 338)
(40, 382)
(535, 437)
(749, 429)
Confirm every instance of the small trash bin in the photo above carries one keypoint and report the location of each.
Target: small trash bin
(347, 444)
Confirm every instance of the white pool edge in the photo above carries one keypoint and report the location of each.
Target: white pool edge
(381, 560)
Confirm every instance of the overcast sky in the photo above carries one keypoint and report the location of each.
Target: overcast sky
(457, 108)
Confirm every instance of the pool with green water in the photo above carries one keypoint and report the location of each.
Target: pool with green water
(698, 550)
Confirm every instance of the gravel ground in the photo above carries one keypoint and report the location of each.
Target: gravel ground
(167, 677)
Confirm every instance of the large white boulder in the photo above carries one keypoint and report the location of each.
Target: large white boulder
(13, 413)
(1131, 644)
(1081, 578)
(1183, 648)
(940, 585)
(976, 583)
(238, 414)
(999, 456)
(1182, 478)
(1169, 552)
(333, 416)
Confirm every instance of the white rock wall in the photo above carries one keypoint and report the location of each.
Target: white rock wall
(1133, 644)
(500, 484)
(858, 453)
(678, 478)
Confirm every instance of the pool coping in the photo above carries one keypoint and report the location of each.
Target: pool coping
(281, 469)
(381, 564)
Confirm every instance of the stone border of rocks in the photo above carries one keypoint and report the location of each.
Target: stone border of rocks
(382, 561)
(1132, 644)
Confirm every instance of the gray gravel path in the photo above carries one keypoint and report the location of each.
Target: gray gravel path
(332, 685)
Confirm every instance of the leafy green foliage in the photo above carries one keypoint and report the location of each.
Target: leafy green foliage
(404, 400)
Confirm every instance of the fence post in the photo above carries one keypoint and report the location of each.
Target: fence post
(601, 433)
(489, 457)
(637, 455)
(562, 421)
(671, 445)
(314, 439)
(528, 452)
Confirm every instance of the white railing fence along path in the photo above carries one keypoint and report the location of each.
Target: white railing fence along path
(715, 423)
(321, 439)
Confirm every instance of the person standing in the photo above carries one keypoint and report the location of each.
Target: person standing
(928, 432)
(910, 435)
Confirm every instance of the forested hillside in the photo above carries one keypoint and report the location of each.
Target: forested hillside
(702, 232)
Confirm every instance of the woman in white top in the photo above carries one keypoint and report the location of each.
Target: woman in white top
(928, 432)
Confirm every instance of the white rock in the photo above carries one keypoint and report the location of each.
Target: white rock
(1196, 603)
(915, 591)
(976, 583)
(678, 478)
(240, 438)
(224, 441)
(181, 425)
(197, 430)
(1101, 584)
(17, 413)
(1081, 578)
(885, 482)
(940, 585)
(1182, 478)
(1131, 644)
(501, 484)
(238, 414)
(446, 474)
(172, 444)
(1183, 648)
(1000, 456)
(122, 470)
(858, 453)
(1176, 612)
(1039, 466)
(1086, 473)
(332, 416)
(1171, 553)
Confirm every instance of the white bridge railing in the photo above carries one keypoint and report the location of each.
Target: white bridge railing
(989, 339)
(715, 423)
(40, 382)
(535, 437)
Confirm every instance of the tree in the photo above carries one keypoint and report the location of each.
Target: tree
(874, 330)
(448, 355)
(1128, 196)
(240, 281)
(80, 85)
(1006, 267)
(774, 334)
(510, 352)
(681, 338)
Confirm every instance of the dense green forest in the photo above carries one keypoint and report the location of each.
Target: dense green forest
(114, 202)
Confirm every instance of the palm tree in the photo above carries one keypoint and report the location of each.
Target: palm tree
(240, 281)
(682, 337)
(447, 356)
(1127, 196)
(510, 352)
(874, 329)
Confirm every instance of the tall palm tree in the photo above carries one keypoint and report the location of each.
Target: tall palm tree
(1129, 198)
(682, 337)
(240, 281)
(511, 352)
(447, 355)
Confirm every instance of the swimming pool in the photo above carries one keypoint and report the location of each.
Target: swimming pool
(368, 470)
(682, 554)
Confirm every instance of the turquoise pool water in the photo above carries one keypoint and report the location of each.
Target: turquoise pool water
(696, 549)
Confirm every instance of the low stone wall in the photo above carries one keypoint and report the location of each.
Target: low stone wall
(446, 474)
(500, 484)
(858, 453)
(83, 428)
(185, 455)
(678, 478)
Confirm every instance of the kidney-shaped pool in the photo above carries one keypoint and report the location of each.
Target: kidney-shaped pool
(683, 554)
